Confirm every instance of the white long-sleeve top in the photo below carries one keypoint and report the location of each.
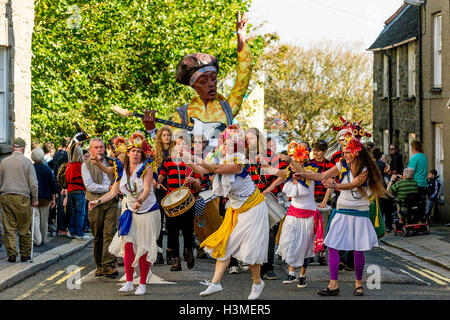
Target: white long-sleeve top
(90, 185)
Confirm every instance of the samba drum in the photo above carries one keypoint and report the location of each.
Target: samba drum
(277, 209)
(325, 212)
(210, 220)
(177, 202)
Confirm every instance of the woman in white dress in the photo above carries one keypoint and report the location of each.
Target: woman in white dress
(302, 233)
(349, 227)
(244, 232)
(140, 223)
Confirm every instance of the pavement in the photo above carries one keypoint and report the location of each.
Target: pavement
(57, 248)
(433, 248)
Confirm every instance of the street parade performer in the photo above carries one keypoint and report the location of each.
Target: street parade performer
(302, 233)
(140, 224)
(244, 233)
(199, 71)
(349, 227)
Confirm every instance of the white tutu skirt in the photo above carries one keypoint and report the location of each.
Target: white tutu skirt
(296, 240)
(144, 231)
(249, 240)
(348, 232)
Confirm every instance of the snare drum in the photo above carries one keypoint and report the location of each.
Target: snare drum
(325, 212)
(277, 210)
(207, 195)
(177, 202)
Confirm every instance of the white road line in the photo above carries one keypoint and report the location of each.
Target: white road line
(414, 277)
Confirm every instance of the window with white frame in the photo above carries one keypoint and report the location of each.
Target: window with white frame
(437, 70)
(411, 137)
(386, 141)
(411, 69)
(385, 76)
(397, 87)
(439, 153)
(3, 94)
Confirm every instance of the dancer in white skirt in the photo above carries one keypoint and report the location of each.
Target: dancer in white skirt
(349, 227)
(140, 223)
(302, 233)
(244, 233)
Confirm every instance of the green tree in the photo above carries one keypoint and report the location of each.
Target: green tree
(310, 88)
(89, 56)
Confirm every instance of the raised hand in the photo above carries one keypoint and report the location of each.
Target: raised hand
(241, 29)
(149, 119)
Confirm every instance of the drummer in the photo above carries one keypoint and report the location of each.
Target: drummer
(321, 194)
(244, 232)
(302, 233)
(178, 174)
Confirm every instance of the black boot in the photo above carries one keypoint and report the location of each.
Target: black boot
(189, 256)
(159, 258)
(176, 264)
(169, 256)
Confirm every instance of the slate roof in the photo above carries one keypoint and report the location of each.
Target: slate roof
(402, 28)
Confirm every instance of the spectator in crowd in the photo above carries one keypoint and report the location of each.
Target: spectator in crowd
(402, 186)
(86, 228)
(433, 187)
(34, 144)
(386, 205)
(369, 145)
(47, 191)
(59, 158)
(396, 160)
(382, 166)
(18, 186)
(419, 164)
(76, 195)
(49, 150)
(103, 218)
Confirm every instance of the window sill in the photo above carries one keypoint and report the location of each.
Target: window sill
(5, 148)
(412, 98)
(383, 98)
(436, 90)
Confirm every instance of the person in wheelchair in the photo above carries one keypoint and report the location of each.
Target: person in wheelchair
(404, 188)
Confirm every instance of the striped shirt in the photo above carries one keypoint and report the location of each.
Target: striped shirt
(319, 189)
(176, 174)
(403, 188)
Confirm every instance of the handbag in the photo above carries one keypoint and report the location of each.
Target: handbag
(377, 218)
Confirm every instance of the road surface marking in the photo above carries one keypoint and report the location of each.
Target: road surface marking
(428, 276)
(40, 285)
(69, 275)
(437, 275)
(414, 277)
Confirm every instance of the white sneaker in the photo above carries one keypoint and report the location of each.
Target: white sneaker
(256, 291)
(69, 235)
(233, 270)
(140, 290)
(245, 267)
(212, 288)
(127, 287)
(85, 237)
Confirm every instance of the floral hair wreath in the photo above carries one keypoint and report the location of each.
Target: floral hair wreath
(137, 140)
(120, 145)
(233, 133)
(298, 152)
(352, 145)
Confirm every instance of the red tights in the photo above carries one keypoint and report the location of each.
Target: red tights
(144, 265)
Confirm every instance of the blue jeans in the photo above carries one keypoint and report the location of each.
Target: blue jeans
(429, 207)
(76, 202)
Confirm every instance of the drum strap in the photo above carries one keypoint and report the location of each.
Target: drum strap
(218, 240)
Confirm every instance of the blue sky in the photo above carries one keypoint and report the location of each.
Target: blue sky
(304, 22)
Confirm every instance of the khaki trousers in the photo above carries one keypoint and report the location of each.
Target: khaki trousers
(103, 222)
(16, 216)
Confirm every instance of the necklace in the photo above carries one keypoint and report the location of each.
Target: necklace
(133, 191)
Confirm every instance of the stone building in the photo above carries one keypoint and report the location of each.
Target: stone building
(16, 28)
(411, 80)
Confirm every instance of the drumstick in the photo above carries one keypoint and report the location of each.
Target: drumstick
(186, 179)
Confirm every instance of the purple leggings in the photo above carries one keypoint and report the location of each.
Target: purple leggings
(333, 260)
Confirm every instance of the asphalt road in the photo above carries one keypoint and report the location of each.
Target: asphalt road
(389, 275)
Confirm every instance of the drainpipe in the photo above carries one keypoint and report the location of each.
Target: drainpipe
(419, 96)
(391, 120)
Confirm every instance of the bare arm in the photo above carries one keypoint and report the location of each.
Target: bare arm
(273, 185)
(106, 197)
(148, 181)
(330, 173)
